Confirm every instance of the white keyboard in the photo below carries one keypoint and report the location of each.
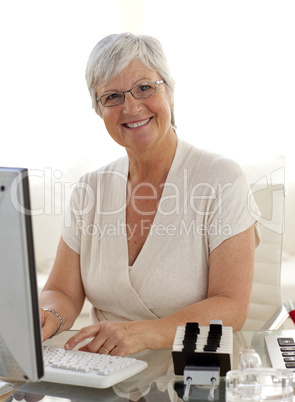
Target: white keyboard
(281, 351)
(88, 369)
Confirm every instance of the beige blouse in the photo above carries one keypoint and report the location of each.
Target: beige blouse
(205, 200)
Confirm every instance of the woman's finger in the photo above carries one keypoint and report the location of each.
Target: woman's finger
(104, 350)
(84, 333)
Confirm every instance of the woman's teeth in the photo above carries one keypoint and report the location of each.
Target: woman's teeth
(138, 124)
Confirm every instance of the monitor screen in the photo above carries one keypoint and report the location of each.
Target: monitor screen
(20, 329)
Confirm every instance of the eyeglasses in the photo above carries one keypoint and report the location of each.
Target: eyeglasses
(138, 92)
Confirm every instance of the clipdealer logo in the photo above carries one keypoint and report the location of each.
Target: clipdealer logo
(268, 192)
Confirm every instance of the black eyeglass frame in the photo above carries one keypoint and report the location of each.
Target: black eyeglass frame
(156, 83)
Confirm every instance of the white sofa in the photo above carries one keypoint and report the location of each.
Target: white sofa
(50, 191)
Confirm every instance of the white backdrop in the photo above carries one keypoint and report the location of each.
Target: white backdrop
(233, 63)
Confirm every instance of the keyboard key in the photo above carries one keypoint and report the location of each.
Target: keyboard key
(289, 359)
(286, 341)
(290, 365)
(84, 369)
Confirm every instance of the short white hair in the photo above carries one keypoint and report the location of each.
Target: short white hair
(115, 52)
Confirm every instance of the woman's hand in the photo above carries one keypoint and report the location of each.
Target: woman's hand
(49, 322)
(114, 338)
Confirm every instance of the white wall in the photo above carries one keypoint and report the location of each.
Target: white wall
(233, 62)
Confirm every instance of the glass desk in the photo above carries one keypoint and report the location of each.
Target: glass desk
(155, 384)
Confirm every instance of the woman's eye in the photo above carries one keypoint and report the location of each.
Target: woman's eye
(144, 87)
(112, 96)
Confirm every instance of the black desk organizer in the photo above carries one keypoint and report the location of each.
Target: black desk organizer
(209, 356)
(202, 354)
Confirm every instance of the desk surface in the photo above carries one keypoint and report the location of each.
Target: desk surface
(156, 383)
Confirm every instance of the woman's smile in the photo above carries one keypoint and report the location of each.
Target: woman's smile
(137, 123)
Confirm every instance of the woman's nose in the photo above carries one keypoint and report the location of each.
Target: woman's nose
(131, 105)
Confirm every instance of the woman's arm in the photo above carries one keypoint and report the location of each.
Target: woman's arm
(63, 291)
(231, 267)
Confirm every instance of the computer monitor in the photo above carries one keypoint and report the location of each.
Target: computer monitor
(20, 329)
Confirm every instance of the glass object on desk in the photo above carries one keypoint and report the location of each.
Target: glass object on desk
(259, 384)
(249, 358)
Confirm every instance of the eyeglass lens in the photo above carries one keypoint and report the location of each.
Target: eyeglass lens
(138, 92)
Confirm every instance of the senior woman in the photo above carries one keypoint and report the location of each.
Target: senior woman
(158, 238)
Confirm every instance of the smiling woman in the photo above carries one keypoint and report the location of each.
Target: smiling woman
(138, 122)
(166, 213)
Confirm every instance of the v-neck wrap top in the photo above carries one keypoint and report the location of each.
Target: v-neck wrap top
(205, 200)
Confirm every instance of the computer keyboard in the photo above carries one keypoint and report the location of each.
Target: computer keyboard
(281, 351)
(88, 369)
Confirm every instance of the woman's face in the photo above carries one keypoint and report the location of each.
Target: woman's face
(137, 124)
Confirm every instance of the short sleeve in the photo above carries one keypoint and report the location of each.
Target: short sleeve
(80, 204)
(233, 211)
